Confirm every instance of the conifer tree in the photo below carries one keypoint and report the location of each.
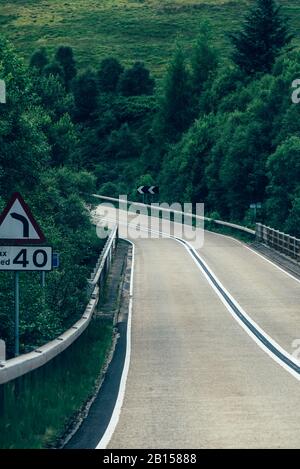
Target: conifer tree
(39, 59)
(261, 39)
(64, 56)
(175, 112)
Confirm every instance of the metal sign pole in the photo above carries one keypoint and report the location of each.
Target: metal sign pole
(17, 313)
(43, 279)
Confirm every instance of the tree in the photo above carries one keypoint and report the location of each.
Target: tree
(109, 73)
(182, 173)
(85, 89)
(24, 149)
(53, 95)
(55, 69)
(64, 141)
(261, 39)
(136, 81)
(204, 60)
(175, 114)
(122, 143)
(39, 59)
(283, 168)
(65, 57)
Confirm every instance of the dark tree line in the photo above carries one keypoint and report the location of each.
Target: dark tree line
(216, 131)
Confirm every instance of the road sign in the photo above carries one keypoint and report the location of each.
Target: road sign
(55, 260)
(148, 190)
(17, 224)
(257, 205)
(26, 258)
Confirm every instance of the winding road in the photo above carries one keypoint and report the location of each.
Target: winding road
(197, 378)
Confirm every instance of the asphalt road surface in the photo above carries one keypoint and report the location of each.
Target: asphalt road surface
(196, 379)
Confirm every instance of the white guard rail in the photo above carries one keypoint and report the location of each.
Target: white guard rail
(281, 242)
(218, 222)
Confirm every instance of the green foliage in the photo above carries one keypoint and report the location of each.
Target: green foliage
(64, 56)
(109, 74)
(39, 405)
(204, 60)
(136, 81)
(85, 89)
(284, 176)
(56, 70)
(39, 59)
(39, 157)
(182, 175)
(53, 95)
(175, 113)
(64, 142)
(122, 143)
(261, 39)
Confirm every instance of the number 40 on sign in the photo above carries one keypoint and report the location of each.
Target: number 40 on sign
(26, 258)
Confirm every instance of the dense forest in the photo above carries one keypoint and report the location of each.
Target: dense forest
(221, 129)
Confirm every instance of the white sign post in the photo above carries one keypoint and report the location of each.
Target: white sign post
(21, 248)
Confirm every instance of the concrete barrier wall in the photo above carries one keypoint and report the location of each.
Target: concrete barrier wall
(16, 367)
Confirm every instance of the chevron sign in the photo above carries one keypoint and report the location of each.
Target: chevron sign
(148, 190)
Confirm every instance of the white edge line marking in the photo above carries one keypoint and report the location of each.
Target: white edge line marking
(189, 247)
(247, 330)
(257, 254)
(272, 263)
(119, 402)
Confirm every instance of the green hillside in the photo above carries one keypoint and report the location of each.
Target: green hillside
(130, 30)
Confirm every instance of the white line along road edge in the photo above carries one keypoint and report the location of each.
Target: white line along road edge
(296, 375)
(119, 402)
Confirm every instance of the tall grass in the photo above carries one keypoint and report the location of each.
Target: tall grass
(35, 408)
(129, 30)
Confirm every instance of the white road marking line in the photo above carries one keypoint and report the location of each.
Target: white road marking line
(119, 402)
(257, 253)
(103, 443)
(242, 324)
(272, 263)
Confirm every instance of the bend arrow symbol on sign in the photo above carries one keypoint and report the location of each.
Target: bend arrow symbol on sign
(25, 222)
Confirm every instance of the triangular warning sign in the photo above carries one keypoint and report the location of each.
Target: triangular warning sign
(17, 223)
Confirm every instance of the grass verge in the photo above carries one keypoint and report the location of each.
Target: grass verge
(36, 408)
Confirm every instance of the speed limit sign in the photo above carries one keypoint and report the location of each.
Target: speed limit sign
(26, 258)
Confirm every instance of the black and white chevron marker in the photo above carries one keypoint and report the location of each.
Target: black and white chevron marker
(148, 190)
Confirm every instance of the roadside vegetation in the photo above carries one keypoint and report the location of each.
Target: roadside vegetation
(37, 409)
(107, 96)
(220, 128)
